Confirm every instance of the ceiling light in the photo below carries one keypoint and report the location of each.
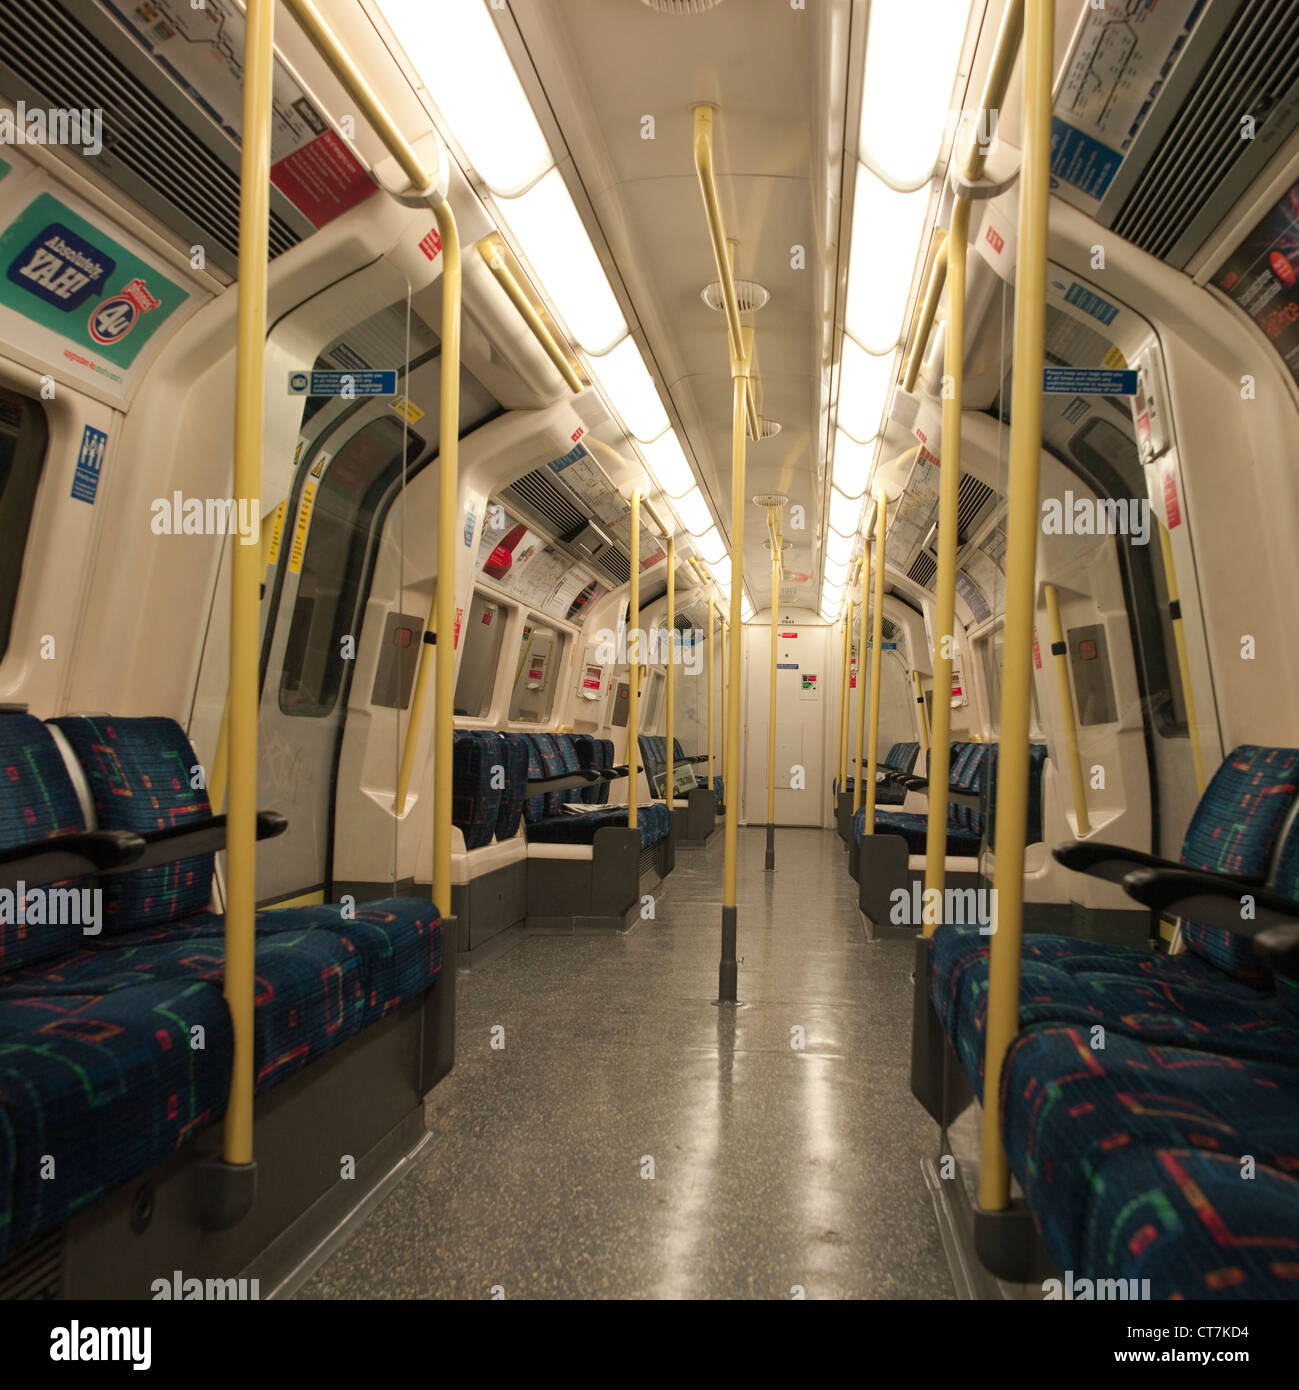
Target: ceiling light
(886, 231)
(865, 381)
(903, 37)
(839, 548)
(669, 464)
(746, 608)
(722, 571)
(550, 234)
(463, 63)
(852, 464)
(832, 593)
(693, 512)
(836, 571)
(710, 545)
(631, 389)
(845, 513)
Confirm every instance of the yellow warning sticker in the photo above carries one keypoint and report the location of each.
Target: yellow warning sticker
(403, 405)
(277, 533)
(300, 533)
(1114, 359)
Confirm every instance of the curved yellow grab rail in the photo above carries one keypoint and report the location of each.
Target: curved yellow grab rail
(877, 657)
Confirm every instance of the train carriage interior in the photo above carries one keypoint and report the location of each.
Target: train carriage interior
(647, 649)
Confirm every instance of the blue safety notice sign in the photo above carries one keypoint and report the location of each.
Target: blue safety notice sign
(90, 460)
(346, 384)
(1088, 381)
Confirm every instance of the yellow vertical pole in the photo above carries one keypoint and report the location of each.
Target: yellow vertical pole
(924, 717)
(672, 651)
(949, 489)
(713, 635)
(444, 689)
(726, 647)
(845, 694)
(246, 574)
(728, 971)
(877, 657)
(1183, 659)
(861, 677)
(1060, 652)
(771, 699)
(633, 664)
(1021, 580)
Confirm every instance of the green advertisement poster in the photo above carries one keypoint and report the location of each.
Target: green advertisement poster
(66, 275)
(4, 168)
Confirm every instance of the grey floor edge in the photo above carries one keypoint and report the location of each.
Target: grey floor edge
(607, 1132)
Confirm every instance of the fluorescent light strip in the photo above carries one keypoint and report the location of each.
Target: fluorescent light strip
(852, 464)
(886, 231)
(460, 58)
(669, 465)
(865, 383)
(845, 513)
(631, 390)
(693, 512)
(546, 225)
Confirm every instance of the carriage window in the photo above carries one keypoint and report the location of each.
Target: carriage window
(24, 436)
(338, 549)
(534, 677)
(481, 657)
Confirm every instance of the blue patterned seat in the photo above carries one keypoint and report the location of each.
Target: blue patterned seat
(518, 752)
(476, 786)
(117, 1048)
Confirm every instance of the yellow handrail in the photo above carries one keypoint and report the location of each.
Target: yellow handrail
(877, 656)
(1060, 652)
(1021, 567)
(246, 573)
(489, 248)
(633, 663)
(860, 740)
(728, 970)
(929, 309)
(668, 782)
(712, 637)
(773, 534)
(703, 149)
(725, 629)
(1183, 657)
(949, 489)
(845, 694)
(924, 713)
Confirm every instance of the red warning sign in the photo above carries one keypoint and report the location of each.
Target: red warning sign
(323, 179)
(1172, 507)
(431, 245)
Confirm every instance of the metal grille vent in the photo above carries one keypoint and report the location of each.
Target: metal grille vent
(538, 493)
(1254, 65)
(36, 1273)
(974, 496)
(46, 56)
(682, 6)
(614, 565)
(889, 629)
(749, 295)
(923, 568)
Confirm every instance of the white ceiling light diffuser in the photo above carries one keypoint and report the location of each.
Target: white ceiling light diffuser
(907, 38)
(852, 464)
(710, 545)
(550, 234)
(721, 570)
(631, 390)
(746, 608)
(865, 383)
(836, 571)
(886, 231)
(693, 512)
(845, 513)
(668, 463)
(460, 58)
(839, 549)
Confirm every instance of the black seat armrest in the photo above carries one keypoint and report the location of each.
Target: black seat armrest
(566, 781)
(908, 780)
(68, 856)
(693, 758)
(204, 836)
(1220, 901)
(1107, 861)
(612, 774)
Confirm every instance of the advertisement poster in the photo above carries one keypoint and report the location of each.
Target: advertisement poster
(1262, 276)
(98, 303)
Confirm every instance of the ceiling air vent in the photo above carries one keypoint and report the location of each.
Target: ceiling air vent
(149, 152)
(974, 497)
(682, 6)
(1202, 165)
(923, 568)
(748, 294)
(537, 493)
(767, 429)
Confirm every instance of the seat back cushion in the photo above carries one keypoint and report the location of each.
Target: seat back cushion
(1233, 831)
(988, 794)
(142, 774)
(902, 756)
(515, 754)
(589, 753)
(1285, 881)
(606, 761)
(476, 785)
(37, 800)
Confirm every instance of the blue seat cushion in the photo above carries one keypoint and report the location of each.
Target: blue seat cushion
(37, 800)
(1186, 1220)
(580, 829)
(477, 783)
(1172, 1011)
(516, 751)
(143, 775)
(1067, 1108)
(97, 1087)
(913, 827)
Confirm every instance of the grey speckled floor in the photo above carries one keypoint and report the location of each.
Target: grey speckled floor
(774, 1169)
